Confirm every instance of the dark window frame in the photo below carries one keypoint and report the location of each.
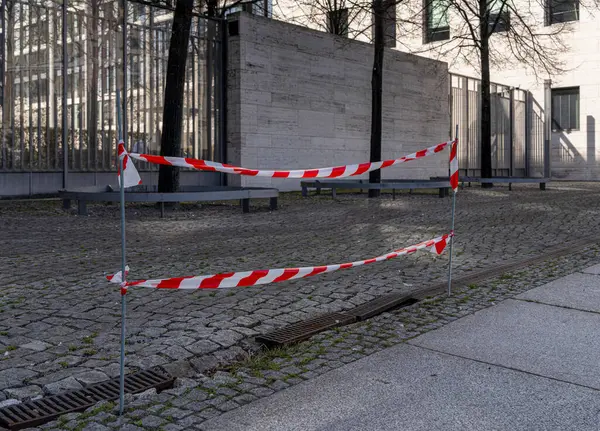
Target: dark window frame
(554, 17)
(433, 34)
(389, 26)
(503, 23)
(334, 17)
(563, 95)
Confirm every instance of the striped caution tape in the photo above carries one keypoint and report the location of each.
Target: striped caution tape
(266, 276)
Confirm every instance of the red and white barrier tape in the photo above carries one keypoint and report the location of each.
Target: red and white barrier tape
(332, 172)
(131, 177)
(454, 166)
(266, 276)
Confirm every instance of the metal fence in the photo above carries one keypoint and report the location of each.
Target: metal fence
(517, 129)
(42, 82)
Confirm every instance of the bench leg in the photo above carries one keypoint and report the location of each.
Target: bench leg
(393, 193)
(273, 204)
(442, 192)
(510, 187)
(82, 207)
(245, 205)
(66, 204)
(162, 210)
(542, 186)
(333, 193)
(304, 192)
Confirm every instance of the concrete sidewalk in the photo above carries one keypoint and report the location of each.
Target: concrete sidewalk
(528, 363)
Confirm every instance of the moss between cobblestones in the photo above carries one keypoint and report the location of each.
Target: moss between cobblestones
(257, 375)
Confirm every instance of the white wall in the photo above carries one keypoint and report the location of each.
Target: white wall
(575, 155)
(299, 98)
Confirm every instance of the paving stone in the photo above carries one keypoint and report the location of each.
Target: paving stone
(278, 385)
(91, 377)
(176, 413)
(204, 363)
(244, 399)
(246, 322)
(261, 392)
(37, 346)
(203, 347)
(151, 422)
(94, 426)
(63, 385)
(227, 405)
(9, 402)
(24, 393)
(14, 377)
(226, 338)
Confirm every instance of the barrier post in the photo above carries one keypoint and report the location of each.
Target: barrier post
(123, 137)
(123, 263)
(452, 223)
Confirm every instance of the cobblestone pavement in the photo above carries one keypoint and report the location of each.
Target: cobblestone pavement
(59, 320)
(194, 401)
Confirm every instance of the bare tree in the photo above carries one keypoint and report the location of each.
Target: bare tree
(175, 81)
(170, 144)
(357, 19)
(487, 33)
(7, 65)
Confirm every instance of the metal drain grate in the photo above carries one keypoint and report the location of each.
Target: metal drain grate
(381, 304)
(38, 412)
(303, 330)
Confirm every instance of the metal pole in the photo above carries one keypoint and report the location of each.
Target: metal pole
(125, 123)
(223, 101)
(123, 265)
(547, 125)
(452, 232)
(65, 122)
(123, 137)
(528, 118)
(511, 111)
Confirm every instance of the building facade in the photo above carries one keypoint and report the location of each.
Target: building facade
(568, 33)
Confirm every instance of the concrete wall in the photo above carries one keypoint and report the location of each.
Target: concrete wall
(299, 98)
(16, 184)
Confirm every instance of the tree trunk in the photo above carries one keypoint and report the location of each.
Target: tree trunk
(8, 99)
(486, 117)
(92, 96)
(376, 93)
(170, 144)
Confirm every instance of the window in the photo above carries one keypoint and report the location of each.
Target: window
(498, 16)
(337, 22)
(565, 109)
(262, 8)
(389, 24)
(558, 11)
(436, 21)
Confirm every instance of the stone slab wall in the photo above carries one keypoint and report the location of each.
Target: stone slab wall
(300, 98)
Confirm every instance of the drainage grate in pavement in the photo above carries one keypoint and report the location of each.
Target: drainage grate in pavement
(303, 330)
(380, 305)
(38, 412)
